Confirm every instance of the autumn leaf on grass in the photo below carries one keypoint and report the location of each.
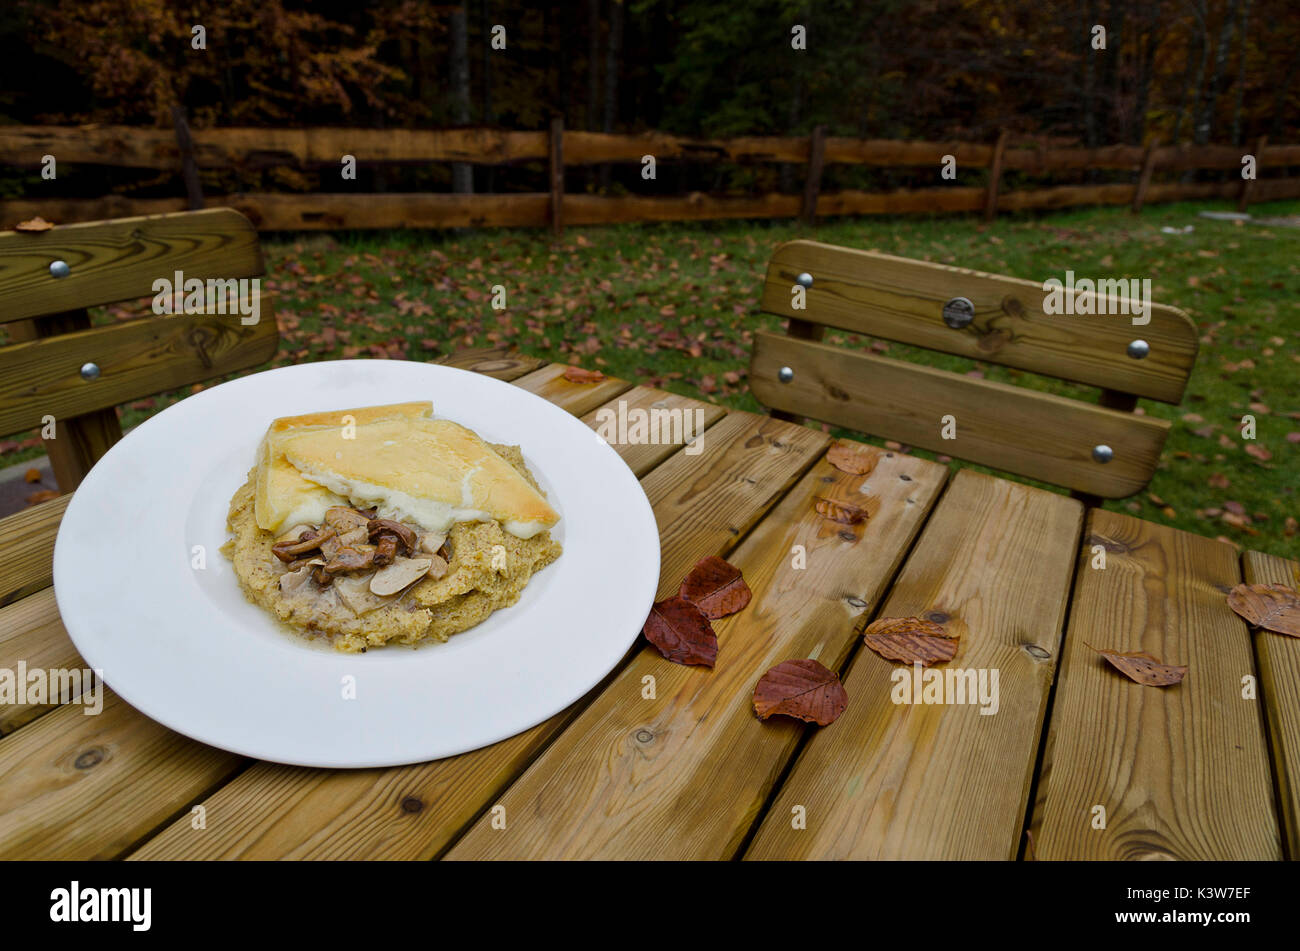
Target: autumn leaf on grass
(1274, 607)
(681, 632)
(845, 457)
(716, 587)
(33, 224)
(802, 689)
(579, 375)
(1142, 668)
(910, 640)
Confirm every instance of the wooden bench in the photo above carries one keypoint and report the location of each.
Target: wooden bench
(1101, 450)
(66, 377)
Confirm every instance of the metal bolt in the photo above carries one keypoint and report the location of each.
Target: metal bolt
(90, 371)
(804, 279)
(958, 313)
(1138, 349)
(785, 374)
(60, 268)
(1103, 453)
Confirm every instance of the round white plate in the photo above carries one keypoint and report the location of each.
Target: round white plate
(150, 601)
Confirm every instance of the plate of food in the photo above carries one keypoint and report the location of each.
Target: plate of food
(356, 563)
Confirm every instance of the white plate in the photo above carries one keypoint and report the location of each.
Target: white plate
(183, 646)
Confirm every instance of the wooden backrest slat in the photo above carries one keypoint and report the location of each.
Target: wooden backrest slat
(112, 261)
(136, 359)
(1035, 434)
(902, 300)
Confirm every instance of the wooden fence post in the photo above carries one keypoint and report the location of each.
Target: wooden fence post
(1248, 184)
(995, 174)
(1144, 177)
(557, 177)
(190, 171)
(813, 186)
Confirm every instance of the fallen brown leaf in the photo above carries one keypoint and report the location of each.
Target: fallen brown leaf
(837, 511)
(681, 632)
(910, 640)
(716, 587)
(1274, 607)
(32, 475)
(1141, 667)
(44, 495)
(845, 457)
(802, 689)
(33, 224)
(579, 375)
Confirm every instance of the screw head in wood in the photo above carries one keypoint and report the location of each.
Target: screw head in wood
(90, 371)
(60, 268)
(1138, 349)
(1103, 453)
(804, 280)
(958, 313)
(785, 374)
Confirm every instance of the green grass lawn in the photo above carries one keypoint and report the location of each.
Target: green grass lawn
(675, 306)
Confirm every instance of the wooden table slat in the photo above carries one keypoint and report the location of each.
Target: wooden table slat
(27, 549)
(275, 811)
(32, 637)
(1277, 657)
(1182, 772)
(578, 398)
(944, 781)
(504, 363)
(684, 774)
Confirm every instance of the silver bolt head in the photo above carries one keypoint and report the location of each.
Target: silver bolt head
(90, 371)
(60, 268)
(958, 312)
(785, 374)
(1103, 453)
(1138, 349)
(804, 279)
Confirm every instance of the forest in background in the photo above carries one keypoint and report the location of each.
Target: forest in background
(1192, 71)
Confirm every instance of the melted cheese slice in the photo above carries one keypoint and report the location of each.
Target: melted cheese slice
(429, 471)
(283, 497)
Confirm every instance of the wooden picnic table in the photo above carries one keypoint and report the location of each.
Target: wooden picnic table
(667, 761)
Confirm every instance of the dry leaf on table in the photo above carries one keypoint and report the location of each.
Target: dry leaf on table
(1274, 607)
(844, 512)
(579, 375)
(1141, 667)
(911, 640)
(846, 458)
(681, 632)
(802, 689)
(716, 587)
(44, 495)
(33, 224)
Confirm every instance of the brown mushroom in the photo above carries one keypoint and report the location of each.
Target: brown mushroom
(350, 559)
(382, 526)
(386, 549)
(344, 519)
(309, 540)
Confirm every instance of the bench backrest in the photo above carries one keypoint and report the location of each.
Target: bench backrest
(1098, 449)
(62, 367)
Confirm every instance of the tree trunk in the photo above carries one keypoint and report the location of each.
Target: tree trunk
(1205, 119)
(613, 63)
(462, 173)
(1241, 71)
(1191, 78)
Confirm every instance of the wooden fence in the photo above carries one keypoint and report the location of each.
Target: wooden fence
(187, 151)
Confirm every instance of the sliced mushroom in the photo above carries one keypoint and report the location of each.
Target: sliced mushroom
(384, 526)
(291, 582)
(402, 572)
(437, 567)
(355, 537)
(321, 576)
(349, 559)
(354, 591)
(344, 519)
(309, 541)
(430, 542)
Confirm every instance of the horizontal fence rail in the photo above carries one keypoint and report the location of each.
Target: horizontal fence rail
(185, 151)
